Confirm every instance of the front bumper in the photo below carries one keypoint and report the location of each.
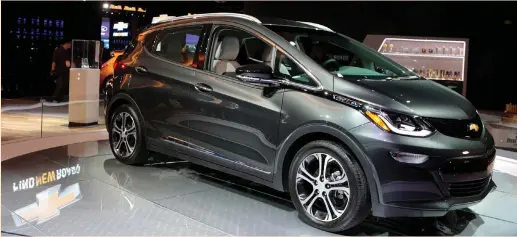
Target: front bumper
(457, 174)
(430, 208)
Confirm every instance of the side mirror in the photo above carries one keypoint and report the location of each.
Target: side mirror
(258, 74)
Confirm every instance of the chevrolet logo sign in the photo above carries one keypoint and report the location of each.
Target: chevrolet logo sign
(48, 205)
(120, 26)
(473, 127)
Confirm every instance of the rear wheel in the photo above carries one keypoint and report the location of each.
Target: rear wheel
(328, 187)
(126, 138)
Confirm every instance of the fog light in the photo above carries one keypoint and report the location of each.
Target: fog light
(409, 158)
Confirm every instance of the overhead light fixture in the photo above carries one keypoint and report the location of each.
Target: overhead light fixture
(105, 6)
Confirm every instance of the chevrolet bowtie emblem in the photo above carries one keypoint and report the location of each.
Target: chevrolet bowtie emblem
(48, 205)
(473, 127)
(120, 26)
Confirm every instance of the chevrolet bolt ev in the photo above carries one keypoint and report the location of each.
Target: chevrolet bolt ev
(303, 109)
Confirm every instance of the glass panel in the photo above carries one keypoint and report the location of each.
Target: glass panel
(86, 54)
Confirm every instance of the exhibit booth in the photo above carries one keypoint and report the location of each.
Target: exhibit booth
(119, 24)
(443, 60)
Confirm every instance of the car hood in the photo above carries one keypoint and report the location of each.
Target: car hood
(419, 97)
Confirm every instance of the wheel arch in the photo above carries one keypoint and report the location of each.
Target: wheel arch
(119, 99)
(313, 132)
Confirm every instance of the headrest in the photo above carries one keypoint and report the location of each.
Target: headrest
(227, 49)
(268, 54)
(174, 44)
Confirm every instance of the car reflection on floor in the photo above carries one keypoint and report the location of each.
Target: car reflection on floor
(454, 223)
(173, 197)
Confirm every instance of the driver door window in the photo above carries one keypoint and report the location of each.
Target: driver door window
(234, 48)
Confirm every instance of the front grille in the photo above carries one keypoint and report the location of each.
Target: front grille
(468, 188)
(457, 128)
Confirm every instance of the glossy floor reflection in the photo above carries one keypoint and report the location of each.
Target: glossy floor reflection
(89, 193)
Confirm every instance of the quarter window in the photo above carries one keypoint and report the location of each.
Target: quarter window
(177, 44)
(288, 69)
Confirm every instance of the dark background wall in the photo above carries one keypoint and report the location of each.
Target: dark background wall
(491, 79)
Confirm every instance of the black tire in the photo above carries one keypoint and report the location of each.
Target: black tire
(359, 205)
(140, 154)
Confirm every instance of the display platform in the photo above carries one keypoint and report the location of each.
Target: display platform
(89, 193)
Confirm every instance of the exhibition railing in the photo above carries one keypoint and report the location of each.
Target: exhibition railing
(33, 118)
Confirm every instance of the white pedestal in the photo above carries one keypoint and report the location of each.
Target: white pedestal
(83, 109)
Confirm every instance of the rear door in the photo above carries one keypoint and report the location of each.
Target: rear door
(162, 75)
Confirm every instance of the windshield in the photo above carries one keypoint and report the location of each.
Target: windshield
(343, 56)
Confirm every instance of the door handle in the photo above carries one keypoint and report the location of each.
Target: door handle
(203, 87)
(141, 69)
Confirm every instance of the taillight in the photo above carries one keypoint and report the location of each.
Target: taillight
(118, 65)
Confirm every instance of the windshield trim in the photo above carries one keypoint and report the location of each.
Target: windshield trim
(319, 86)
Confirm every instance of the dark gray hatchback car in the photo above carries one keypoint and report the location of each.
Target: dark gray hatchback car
(299, 108)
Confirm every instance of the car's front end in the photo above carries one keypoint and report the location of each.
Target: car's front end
(427, 144)
(429, 176)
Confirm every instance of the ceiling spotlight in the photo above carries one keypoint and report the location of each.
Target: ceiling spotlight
(105, 5)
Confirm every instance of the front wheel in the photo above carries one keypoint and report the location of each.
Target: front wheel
(126, 137)
(328, 187)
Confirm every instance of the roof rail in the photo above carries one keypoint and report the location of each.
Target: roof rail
(165, 18)
(321, 27)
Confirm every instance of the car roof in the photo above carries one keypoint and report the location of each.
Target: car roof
(291, 23)
(165, 20)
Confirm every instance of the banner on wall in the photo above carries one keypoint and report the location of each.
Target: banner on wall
(105, 32)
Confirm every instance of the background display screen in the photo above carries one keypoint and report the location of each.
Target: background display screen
(191, 42)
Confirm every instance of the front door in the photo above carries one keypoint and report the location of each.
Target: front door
(235, 123)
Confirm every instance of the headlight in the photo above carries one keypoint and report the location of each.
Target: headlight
(399, 123)
(389, 121)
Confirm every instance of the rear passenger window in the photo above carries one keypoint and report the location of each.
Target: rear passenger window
(177, 44)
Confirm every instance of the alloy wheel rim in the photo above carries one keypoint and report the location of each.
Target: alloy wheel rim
(322, 187)
(124, 135)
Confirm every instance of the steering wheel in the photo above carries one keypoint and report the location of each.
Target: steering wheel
(331, 65)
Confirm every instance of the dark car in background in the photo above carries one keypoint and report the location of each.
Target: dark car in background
(303, 109)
